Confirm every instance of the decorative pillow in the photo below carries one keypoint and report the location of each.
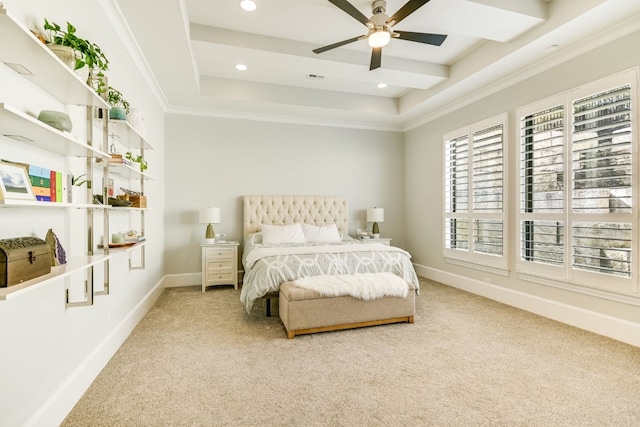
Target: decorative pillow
(253, 239)
(273, 234)
(321, 233)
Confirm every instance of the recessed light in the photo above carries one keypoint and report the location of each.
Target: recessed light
(382, 85)
(241, 67)
(248, 5)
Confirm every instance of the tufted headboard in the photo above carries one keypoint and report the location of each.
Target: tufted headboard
(281, 210)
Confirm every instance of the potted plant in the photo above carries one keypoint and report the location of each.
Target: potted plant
(77, 53)
(119, 105)
(138, 159)
(78, 181)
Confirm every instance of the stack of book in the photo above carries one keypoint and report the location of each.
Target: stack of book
(133, 236)
(49, 185)
(118, 159)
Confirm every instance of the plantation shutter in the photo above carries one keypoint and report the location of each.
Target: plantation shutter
(602, 182)
(488, 188)
(474, 217)
(542, 186)
(457, 192)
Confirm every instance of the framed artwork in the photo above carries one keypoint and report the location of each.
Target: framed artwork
(14, 182)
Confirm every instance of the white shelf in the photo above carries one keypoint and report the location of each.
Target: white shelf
(73, 265)
(127, 208)
(22, 127)
(121, 132)
(24, 53)
(127, 248)
(47, 205)
(126, 171)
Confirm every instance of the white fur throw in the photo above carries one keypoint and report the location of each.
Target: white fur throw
(366, 286)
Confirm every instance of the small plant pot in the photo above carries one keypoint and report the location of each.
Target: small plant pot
(68, 56)
(117, 113)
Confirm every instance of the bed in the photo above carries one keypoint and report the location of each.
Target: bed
(268, 265)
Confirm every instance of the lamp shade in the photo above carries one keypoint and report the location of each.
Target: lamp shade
(210, 216)
(375, 215)
(379, 38)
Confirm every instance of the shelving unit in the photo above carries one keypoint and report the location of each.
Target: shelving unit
(73, 265)
(123, 135)
(29, 130)
(24, 53)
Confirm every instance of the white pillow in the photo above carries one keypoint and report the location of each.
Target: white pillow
(253, 238)
(274, 234)
(321, 234)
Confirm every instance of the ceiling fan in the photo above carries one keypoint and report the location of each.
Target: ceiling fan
(381, 28)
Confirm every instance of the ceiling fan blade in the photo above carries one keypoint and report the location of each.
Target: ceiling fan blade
(434, 39)
(351, 10)
(335, 45)
(376, 58)
(406, 10)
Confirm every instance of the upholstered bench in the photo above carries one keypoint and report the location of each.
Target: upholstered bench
(304, 311)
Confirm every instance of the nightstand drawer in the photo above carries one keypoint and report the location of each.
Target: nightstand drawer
(219, 253)
(218, 265)
(220, 277)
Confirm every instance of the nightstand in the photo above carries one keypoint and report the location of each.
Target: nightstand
(219, 264)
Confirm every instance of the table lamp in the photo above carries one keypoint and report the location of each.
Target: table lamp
(375, 215)
(210, 216)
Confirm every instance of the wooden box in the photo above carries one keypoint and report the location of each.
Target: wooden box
(23, 258)
(136, 201)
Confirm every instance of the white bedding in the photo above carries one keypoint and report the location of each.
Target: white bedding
(268, 266)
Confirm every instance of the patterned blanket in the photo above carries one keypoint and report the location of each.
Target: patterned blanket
(267, 266)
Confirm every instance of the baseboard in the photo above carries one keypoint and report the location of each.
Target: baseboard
(62, 401)
(189, 279)
(185, 279)
(601, 324)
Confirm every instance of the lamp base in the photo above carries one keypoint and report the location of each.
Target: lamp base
(375, 236)
(210, 240)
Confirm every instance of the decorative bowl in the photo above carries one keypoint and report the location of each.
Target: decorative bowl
(119, 202)
(56, 119)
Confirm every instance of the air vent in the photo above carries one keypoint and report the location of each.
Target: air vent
(314, 77)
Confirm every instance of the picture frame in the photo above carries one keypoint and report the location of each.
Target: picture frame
(14, 182)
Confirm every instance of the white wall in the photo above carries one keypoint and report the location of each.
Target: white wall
(424, 182)
(49, 353)
(214, 162)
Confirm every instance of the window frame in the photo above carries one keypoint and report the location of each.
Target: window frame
(566, 273)
(468, 257)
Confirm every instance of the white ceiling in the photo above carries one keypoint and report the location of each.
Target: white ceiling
(191, 48)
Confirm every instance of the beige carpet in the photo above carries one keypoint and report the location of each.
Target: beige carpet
(199, 360)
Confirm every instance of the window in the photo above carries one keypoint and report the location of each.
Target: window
(578, 205)
(474, 193)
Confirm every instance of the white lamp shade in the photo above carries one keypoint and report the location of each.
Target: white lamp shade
(375, 215)
(210, 216)
(379, 38)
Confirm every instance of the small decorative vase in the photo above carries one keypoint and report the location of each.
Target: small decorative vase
(65, 53)
(68, 55)
(117, 113)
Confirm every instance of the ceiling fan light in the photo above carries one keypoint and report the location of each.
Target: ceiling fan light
(248, 5)
(379, 38)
